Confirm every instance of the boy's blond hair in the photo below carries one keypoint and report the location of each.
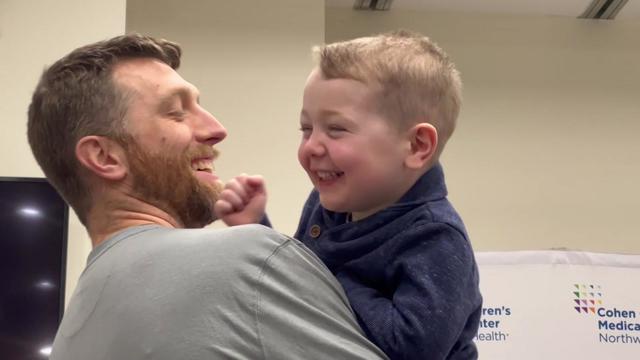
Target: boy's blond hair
(417, 82)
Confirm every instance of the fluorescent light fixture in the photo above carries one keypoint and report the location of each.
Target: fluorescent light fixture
(603, 9)
(372, 4)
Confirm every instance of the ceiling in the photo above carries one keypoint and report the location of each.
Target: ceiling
(569, 8)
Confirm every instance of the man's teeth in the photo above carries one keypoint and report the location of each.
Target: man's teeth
(206, 165)
(328, 175)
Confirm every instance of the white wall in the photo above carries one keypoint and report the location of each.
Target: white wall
(33, 34)
(546, 153)
(250, 60)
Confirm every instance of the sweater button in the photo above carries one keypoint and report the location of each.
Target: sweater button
(315, 231)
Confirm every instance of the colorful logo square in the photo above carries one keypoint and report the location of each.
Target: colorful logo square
(587, 298)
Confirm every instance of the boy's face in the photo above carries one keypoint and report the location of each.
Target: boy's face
(352, 154)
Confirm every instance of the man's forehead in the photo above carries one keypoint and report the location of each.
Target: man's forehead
(135, 63)
(151, 75)
(139, 71)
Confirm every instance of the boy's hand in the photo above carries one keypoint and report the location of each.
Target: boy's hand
(243, 200)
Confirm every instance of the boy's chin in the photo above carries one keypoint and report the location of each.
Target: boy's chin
(334, 207)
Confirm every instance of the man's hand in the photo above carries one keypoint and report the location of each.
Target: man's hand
(243, 200)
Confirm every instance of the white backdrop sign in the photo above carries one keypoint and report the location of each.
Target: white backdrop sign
(559, 305)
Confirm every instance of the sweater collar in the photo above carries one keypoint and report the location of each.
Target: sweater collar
(429, 187)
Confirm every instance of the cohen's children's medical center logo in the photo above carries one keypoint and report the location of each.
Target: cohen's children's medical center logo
(587, 298)
(614, 324)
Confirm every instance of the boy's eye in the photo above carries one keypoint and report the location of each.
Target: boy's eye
(336, 130)
(306, 130)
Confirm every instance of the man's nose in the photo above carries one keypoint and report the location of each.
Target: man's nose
(208, 129)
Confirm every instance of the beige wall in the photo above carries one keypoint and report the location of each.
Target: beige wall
(250, 60)
(545, 154)
(33, 34)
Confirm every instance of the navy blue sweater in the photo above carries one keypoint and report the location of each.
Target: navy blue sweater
(408, 271)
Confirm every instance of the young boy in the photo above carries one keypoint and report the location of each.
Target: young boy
(377, 112)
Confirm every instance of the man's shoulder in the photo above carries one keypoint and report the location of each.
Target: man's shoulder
(238, 236)
(164, 247)
(250, 232)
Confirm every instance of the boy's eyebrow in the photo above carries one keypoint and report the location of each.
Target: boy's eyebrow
(326, 113)
(340, 115)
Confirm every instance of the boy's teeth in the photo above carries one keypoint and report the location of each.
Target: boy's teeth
(327, 175)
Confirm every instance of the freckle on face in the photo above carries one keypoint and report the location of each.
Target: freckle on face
(164, 139)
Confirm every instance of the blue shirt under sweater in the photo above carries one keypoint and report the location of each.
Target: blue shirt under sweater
(409, 271)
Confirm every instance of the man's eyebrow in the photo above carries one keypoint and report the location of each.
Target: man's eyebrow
(180, 93)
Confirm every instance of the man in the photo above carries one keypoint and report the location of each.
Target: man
(125, 141)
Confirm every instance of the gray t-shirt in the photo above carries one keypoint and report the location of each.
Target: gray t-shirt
(245, 292)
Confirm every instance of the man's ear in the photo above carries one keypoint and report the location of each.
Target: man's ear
(424, 142)
(102, 156)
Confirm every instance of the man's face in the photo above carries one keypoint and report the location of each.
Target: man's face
(170, 151)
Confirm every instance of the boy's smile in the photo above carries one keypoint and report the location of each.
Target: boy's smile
(324, 180)
(328, 175)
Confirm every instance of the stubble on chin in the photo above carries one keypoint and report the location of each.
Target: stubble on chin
(168, 182)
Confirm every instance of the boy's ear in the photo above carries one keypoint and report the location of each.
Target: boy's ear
(102, 157)
(424, 142)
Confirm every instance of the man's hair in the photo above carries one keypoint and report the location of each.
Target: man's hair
(416, 79)
(77, 97)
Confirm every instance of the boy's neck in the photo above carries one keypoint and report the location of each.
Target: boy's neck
(359, 215)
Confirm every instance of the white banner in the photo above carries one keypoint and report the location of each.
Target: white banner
(559, 305)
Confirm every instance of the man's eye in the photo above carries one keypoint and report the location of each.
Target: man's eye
(177, 114)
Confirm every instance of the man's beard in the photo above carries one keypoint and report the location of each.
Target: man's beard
(168, 182)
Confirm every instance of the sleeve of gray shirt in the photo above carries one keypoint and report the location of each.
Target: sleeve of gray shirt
(302, 311)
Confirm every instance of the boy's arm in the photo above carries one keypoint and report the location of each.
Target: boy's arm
(430, 308)
(243, 201)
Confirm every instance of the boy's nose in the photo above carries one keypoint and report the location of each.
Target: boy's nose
(313, 146)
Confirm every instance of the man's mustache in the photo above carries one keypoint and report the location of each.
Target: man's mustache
(202, 151)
